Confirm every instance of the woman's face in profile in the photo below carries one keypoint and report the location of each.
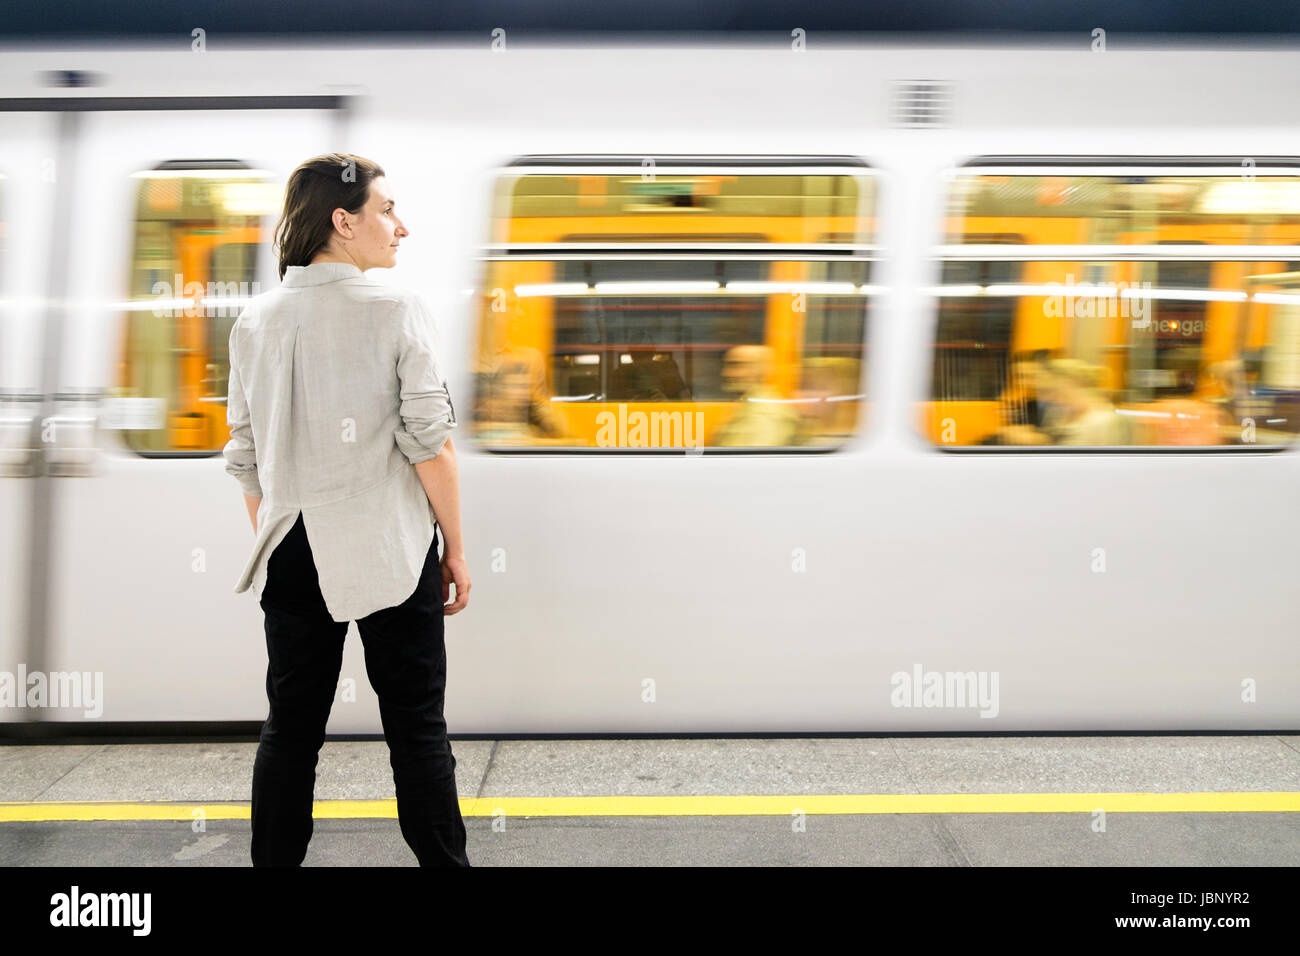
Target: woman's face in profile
(377, 230)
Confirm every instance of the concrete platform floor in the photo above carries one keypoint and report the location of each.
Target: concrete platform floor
(1140, 801)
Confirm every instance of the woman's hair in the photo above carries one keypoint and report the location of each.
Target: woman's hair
(315, 189)
(1077, 372)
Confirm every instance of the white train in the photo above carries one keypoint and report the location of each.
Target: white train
(895, 577)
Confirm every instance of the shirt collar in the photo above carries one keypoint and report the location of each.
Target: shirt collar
(319, 273)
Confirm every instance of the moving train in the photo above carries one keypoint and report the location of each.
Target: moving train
(852, 388)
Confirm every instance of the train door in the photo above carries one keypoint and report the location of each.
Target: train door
(30, 152)
(169, 235)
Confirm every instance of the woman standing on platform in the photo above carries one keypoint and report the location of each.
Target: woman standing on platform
(340, 435)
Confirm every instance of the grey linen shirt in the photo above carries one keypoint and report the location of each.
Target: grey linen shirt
(335, 393)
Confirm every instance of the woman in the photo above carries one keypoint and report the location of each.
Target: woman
(340, 434)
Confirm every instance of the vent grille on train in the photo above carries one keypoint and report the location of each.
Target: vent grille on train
(921, 103)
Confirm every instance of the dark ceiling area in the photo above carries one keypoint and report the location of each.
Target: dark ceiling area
(649, 20)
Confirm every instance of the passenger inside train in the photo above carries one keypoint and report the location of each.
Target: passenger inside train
(761, 419)
(648, 376)
(512, 400)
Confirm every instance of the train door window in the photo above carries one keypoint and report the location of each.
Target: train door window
(1125, 306)
(710, 303)
(198, 229)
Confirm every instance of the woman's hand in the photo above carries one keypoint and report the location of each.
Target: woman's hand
(455, 571)
(252, 504)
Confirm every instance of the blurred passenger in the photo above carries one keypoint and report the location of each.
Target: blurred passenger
(1023, 412)
(1198, 421)
(512, 400)
(759, 421)
(1080, 413)
(648, 377)
(1187, 421)
(1231, 398)
(831, 382)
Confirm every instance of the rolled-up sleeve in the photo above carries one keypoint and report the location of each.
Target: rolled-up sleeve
(240, 452)
(428, 416)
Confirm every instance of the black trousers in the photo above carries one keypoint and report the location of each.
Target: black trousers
(406, 662)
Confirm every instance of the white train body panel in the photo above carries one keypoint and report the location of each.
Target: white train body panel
(656, 594)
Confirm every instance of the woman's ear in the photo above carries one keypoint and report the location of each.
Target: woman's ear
(341, 224)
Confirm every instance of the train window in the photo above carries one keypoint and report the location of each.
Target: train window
(1150, 303)
(198, 229)
(697, 303)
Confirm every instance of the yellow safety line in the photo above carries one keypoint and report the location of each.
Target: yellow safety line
(701, 806)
